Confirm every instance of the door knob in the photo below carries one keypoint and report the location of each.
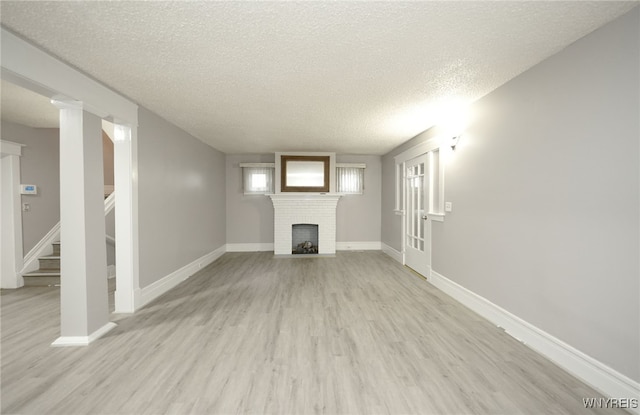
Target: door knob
(424, 217)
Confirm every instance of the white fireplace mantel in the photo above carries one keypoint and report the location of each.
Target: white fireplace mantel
(311, 208)
(306, 196)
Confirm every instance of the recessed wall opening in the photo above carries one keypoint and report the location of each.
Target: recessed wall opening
(304, 238)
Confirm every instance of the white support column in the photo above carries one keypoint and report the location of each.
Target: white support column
(127, 295)
(32, 68)
(84, 308)
(11, 216)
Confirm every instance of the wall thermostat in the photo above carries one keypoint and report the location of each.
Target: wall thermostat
(28, 189)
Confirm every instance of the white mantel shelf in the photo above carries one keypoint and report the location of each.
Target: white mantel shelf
(305, 196)
(308, 208)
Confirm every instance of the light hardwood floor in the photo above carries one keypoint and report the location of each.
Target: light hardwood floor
(250, 333)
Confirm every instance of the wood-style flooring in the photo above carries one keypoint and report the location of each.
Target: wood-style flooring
(251, 333)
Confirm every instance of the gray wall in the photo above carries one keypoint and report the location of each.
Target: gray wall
(250, 218)
(358, 216)
(110, 230)
(181, 206)
(390, 226)
(39, 165)
(545, 191)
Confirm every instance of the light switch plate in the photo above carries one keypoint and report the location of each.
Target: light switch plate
(448, 206)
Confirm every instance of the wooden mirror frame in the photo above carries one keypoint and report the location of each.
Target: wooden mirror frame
(283, 174)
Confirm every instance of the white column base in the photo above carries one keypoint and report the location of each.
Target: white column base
(67, 341)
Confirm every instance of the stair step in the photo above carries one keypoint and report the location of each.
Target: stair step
(42, 278)
(49, 272)
(49, 262)
(43, 273)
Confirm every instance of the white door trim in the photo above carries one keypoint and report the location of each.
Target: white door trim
(418, 150)
(11, 223)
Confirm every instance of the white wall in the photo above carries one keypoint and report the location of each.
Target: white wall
(182, 207)
(545, 190)
(250, 217)
(39, 165)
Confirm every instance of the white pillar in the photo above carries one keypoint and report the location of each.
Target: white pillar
(11, 259)
(127, 293)
(84, 307)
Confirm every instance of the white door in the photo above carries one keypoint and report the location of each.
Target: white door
(417, 223)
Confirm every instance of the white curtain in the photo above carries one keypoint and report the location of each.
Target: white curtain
(258, 180)
(350, 180)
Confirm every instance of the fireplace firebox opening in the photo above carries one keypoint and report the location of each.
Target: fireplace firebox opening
(304, 238)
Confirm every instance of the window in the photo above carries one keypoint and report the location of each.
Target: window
(257, 178)
(350, 178)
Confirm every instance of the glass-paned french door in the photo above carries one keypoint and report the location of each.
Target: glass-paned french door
(417, 223)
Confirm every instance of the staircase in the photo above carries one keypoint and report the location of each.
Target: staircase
(49, 273)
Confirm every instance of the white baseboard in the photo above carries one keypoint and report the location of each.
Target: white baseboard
(607, 380)
(397, 255)
(67, 341)
(155, 290)
(359, 246)
(250, 247)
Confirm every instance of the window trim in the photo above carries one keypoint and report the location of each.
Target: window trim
(243, 166)
(362, 166)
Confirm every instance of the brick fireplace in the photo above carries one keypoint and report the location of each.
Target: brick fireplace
(295, 208)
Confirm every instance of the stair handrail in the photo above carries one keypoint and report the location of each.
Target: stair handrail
(109, 203)
(45, 243)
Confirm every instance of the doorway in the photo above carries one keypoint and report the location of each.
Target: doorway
(417, 227)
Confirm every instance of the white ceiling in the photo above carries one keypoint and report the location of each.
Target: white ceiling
(350, 77)
(24, 107)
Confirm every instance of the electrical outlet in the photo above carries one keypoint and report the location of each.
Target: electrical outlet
(448, 206)
(26, 207)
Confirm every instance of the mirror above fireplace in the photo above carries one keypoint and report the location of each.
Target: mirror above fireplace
(304, 173)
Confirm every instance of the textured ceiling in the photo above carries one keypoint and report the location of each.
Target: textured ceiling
(27, 108)
(350, 77)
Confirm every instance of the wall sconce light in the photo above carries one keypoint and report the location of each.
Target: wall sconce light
(454, 142)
